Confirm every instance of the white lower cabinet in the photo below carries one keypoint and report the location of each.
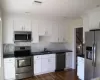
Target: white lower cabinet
(51, 65)
(44, 64)
(68, 60)
(9, 68)
(80, 68)
(37, 66)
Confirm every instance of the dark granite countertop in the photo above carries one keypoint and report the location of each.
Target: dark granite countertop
(81, 56)
(9, 55)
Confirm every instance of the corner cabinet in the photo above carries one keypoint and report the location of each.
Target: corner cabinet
(22, 25)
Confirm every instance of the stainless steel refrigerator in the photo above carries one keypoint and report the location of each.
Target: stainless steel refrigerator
(92, 54)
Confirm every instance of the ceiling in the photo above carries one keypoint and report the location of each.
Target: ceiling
(66, 8)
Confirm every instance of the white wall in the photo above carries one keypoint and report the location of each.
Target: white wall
(72, 24)
(1, 53)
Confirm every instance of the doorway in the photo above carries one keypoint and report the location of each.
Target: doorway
(79, 42)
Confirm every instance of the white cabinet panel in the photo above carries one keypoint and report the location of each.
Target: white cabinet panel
(8, 34)
(62, 30)
(18, 25)
(48, 28)
(35, 34)
(51, 64)
(45, 65)
(80, 68)
(37, 65)
(27, 25)
(45, 28)
(41, 27)
(9, 69)
(68, 60)
(55, 36)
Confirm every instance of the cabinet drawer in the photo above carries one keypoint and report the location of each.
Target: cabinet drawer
(9, 60)
(51, 56)
(44, 56)
(37, 57)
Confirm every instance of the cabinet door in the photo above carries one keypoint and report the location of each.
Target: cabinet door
(37, 66)
(69, 60)
(45, 65)
(51, 65)
(54, 37)
(41, 27)
(8, 37)
(27, 25)
(35, 35)
(9, 69)
(48, 28)
(62, 32)
(22, 25)
(80, 68)
(18, 24)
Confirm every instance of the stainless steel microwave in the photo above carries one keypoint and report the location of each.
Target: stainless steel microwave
(20, 36)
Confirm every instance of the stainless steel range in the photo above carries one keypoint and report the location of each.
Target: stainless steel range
(24, 62)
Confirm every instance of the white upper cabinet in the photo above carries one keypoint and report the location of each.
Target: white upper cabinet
(55, 35)
(22, 25)
(35, 34)
(45, 28)
(62, 33)
(41, 27)
(58, 32)
(8, 33)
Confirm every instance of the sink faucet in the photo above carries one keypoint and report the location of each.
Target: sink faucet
(45, 49)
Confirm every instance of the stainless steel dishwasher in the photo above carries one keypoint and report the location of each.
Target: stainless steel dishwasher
(60, 61)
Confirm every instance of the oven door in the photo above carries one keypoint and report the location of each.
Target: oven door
(24, 64)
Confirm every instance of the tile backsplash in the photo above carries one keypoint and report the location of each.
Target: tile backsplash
(36, 47)
(49, 46)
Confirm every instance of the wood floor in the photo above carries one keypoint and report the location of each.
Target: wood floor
(61, 75)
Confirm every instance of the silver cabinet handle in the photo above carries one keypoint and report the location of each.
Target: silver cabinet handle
(94, 55)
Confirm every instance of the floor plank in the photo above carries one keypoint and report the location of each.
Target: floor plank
(61, 75)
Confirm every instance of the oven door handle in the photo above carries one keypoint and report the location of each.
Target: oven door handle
(29, 57)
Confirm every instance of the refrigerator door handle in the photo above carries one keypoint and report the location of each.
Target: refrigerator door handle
(94, 55)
